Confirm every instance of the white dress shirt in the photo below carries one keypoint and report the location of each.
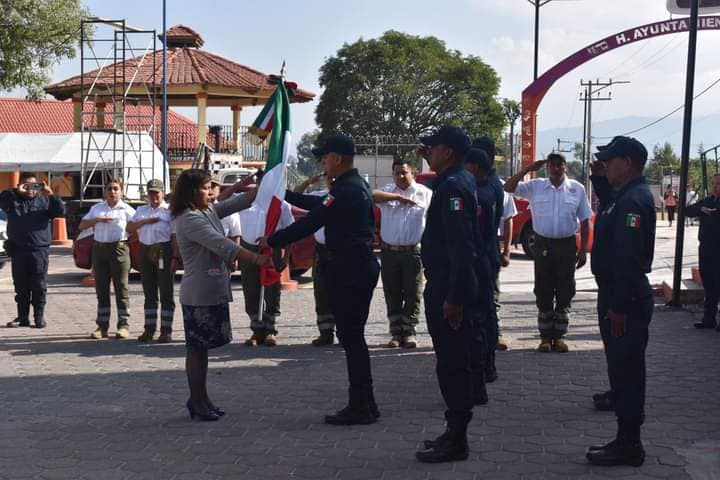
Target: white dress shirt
(113, 231)
(158, 232)
(403, 224)
(555, 211)
(509, 211)
(319, 234)
(253, 226)
(231, 225)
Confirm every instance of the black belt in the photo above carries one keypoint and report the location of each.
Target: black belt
(110, 244)
(399, 248)
(548, 239)
(249, 246)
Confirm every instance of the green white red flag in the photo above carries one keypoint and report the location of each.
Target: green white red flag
(271, 192)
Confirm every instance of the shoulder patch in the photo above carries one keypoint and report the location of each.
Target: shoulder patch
(632, 220)
(329, 200)
(456, 204)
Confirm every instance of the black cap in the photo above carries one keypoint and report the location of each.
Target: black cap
(487, 144)
(479, 157)
(338, 143)
(623, 147)
(453, 137)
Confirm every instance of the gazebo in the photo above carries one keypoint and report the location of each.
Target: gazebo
(195, 77)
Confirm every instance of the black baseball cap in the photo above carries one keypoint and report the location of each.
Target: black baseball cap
(623, 147)
(487, 144)
(479, 157)
(453, 137)
(338, 143)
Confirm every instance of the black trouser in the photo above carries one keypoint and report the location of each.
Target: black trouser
(325, 319)
(29, 273)
(710, 274)
(486, 337)
(625, 357)
(352, 277)
(454, 353)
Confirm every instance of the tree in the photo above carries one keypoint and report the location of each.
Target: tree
(663, 161)
(306, 161)
(404, 85)
(34, 36)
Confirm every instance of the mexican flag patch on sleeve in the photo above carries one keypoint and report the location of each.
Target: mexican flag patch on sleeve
(632, 220)
(456, 204)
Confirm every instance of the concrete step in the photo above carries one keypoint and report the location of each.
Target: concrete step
(690, 292)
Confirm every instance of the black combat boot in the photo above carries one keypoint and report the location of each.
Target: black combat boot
(452, 448)
(604, 402)
(480, 396)
(22, 320)
(356, 413)
(39, 313)
(626, 449)
(372, 404)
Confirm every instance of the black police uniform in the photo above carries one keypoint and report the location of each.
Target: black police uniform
(352, 274)
(622, 256)
(450, 255)
(29, 237)
(491, 198)
(709, 256)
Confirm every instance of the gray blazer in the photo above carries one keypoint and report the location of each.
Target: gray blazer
(206, 253)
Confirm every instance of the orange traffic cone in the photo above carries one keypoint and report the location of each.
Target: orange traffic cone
(59, 233)
(287, 283)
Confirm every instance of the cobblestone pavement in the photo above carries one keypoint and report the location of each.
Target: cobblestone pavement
(105, 410)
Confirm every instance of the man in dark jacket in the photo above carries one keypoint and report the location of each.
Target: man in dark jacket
(30, 207)
(708, 210)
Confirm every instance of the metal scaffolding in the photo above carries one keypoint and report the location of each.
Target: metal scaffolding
(117, 148)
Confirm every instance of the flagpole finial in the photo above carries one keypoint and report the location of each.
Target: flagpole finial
(282, 70)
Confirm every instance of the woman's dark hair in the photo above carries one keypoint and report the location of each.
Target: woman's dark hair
(186, 187)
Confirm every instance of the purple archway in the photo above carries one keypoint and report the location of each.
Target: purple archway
(534, 93)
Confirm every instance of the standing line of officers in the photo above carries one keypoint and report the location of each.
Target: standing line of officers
(448, 232)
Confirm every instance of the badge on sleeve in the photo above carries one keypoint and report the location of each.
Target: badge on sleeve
(456, 204)
(329, 200)
(632, 220)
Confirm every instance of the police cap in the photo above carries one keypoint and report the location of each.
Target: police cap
(155, 185)
(621, 146)
(479, 157)
(453, 137)
(487, 144)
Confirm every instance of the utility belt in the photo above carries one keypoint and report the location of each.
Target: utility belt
(400, 248)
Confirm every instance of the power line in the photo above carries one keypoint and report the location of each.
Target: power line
(655, 122)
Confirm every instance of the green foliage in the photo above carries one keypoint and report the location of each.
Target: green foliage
(34, 36)
(306, 161)
(404, 85)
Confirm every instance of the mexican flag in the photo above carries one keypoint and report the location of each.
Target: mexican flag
(271, 193)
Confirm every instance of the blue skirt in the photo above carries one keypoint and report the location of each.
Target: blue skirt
(206, 327)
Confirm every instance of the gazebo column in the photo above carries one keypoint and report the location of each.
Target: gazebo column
(100, 115)
(77, 114)
(236, 110)
(202, 117)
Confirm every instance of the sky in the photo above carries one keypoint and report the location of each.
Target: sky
(262, 34)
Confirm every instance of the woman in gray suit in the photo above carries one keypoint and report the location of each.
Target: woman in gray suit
(205, 289)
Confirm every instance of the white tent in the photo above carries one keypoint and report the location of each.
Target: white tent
(41, 152)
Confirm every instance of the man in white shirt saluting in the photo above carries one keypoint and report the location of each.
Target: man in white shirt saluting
(557, 203)
(403, 206)
(155, 228)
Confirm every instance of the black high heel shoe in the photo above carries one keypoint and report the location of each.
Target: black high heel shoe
(211, 416)
(218, 411)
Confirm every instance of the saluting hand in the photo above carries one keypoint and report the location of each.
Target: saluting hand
(708, 210)
(453, 313)
(598, 168)
(617, 323)
(535, 166)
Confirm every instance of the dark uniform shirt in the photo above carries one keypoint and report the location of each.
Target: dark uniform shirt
(498, 197)
(709, 233)
(348, 200)
(624, 241)
(28, 223)
(449, 245)
(488, 221)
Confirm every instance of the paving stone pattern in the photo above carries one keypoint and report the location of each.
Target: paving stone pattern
(74, 408)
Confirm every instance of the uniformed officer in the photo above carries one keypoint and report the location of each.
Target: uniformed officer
(155, 228)
(29, 208)
(352, 273)
(325, 317)
(478, 163)
(708, 210)
(403, 206)
(450, 258)
(622, 257)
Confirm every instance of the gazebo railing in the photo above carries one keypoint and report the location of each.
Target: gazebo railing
(182, 142)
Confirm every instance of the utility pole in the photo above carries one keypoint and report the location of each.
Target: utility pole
(537, 4)
(563, 142)
(591, 94)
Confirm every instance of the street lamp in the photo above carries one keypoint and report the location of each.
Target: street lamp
(537, 4)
